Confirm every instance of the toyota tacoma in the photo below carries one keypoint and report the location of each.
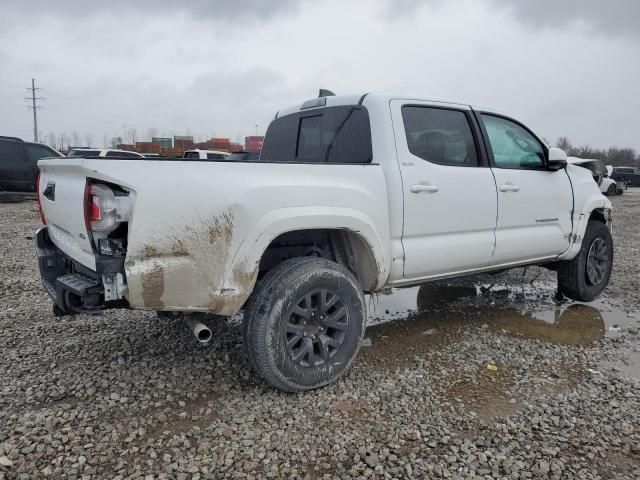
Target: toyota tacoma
(351, 194)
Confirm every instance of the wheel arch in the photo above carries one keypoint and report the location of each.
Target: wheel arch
(596, 207)
(354, 237)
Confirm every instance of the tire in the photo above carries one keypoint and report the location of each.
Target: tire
(9, 197)
(575, 280)
(288, 353)
(611, 191)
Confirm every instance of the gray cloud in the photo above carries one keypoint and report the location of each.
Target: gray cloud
(197, 70)
(613, 16)
(213, 9)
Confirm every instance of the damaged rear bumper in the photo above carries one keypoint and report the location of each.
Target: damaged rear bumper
(73, 287)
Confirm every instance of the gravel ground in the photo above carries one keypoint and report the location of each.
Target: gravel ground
(488, 377)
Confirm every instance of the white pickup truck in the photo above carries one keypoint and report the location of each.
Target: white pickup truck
(351, 194)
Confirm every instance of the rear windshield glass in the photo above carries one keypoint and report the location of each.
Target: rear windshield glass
(122, 154)
(332, 134)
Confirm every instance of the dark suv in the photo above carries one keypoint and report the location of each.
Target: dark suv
(629, 175)
(19, 163)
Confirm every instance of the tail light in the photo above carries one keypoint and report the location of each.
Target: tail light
(42, 219)
(103, 209)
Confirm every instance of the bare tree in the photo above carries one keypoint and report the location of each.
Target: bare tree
(153, 132)
(132, 135)
(64, 140)
(53, 140)
(88, 139)
(75, 136)
(564, 144)
(621, 156)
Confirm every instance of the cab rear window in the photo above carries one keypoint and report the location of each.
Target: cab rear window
(84, 153)
(329, 135)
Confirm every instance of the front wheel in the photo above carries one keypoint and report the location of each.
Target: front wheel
(304, 323)
(611, 191)
(586, 276)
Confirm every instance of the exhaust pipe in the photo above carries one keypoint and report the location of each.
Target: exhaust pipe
(200, 330)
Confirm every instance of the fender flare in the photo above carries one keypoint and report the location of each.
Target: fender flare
(581, 220)
(242, 272)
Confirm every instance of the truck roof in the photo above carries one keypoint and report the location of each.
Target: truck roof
(369, 98)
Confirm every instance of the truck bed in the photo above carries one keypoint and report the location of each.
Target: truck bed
(197, 228)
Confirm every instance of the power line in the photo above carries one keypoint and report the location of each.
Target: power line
(34, 106)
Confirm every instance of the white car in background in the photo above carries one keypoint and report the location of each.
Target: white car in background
(601, 174)
(103, 152)
(198, 154)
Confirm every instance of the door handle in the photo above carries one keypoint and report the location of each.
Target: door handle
(418, 188)
(509, 187)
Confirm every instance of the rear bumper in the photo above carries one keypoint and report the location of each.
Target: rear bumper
(72, 287)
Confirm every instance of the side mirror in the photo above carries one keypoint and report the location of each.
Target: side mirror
(557, 159)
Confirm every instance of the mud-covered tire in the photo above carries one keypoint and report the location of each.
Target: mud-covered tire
(272, 311)
(574, 279)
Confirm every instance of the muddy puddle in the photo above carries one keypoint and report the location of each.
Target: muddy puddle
(404, 322)
(414, 329)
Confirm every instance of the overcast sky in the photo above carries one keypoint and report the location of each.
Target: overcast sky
(205, 67)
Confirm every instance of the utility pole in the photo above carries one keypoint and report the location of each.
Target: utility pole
(34, 106)
(256, 129)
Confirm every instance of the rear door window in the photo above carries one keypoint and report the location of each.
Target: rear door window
(216, 156)
(327, 135)
(439, 135)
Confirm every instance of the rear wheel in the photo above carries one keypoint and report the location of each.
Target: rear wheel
(612, 190)
(304, 323)
(587, 275)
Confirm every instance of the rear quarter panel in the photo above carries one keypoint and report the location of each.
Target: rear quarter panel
(198, 229)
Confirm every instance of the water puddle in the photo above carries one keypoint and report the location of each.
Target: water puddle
(412, 330)
(405, 323)
(525, 311)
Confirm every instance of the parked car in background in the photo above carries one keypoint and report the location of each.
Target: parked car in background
(19, 166)
(244, 155)
(352, 194)
(198, 154)
(600, 174)
(621, 186)
(103, 152)
(629, 175)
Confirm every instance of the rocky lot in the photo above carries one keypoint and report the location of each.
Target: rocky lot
(488, 377)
